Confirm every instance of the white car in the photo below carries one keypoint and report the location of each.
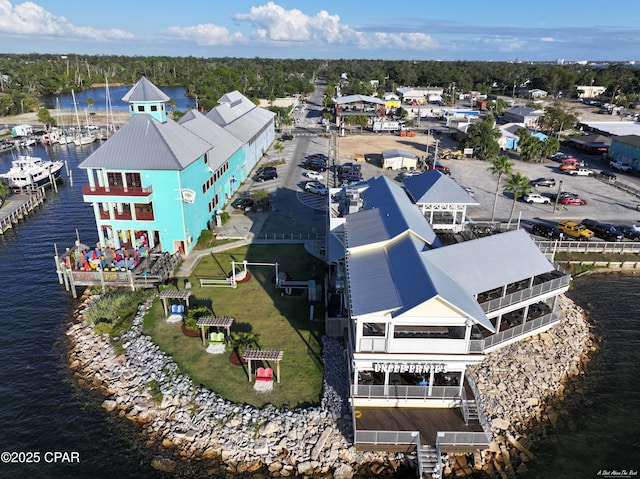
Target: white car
(536, 198)
(313, 175)
(316, 188)
(580, 172)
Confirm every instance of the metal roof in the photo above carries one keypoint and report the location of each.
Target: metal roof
(395, 278)
(144, 90)
(434, 187)
(490, 262)
(248, 125)
(224, 143)
(359, 98)
(393, 152)
(396, 210)
(144, 143)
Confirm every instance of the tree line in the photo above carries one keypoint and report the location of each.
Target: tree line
(25, 78)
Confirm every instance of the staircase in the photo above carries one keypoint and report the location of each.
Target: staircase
(472, 410)
(430, 463)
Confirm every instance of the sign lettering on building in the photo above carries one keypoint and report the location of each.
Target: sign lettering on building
(414, 368)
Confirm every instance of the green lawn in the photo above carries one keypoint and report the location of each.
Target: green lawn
(282, 322)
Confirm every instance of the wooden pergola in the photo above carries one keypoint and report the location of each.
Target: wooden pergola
(174, 294)
(264, 355)
(206, 321)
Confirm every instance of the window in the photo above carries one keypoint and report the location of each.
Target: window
(420, 332)
(141, 108)
(154, 107)
(114, 179)
(133, 180)
(373, 329)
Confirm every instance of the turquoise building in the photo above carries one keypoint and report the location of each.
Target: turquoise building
(158, 183)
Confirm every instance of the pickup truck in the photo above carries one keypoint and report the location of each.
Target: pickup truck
(580, 172)
(619, 166)
(575, 230)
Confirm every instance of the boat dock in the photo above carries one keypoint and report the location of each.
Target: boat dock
(18, 206)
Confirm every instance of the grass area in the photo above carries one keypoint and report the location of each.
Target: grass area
(281, 321)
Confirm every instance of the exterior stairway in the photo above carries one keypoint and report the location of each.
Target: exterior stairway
(430, 463)
(472, 408)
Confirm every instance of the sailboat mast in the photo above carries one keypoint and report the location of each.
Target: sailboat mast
(75, 107)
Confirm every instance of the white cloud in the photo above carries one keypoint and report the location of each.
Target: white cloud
(207, 34)
(274, 23)
(30, 19)
(406, 41)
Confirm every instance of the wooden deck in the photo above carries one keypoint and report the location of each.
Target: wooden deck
(428, 421)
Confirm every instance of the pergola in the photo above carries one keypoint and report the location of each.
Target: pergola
(264, 355)
(174, 294)
(206, 321)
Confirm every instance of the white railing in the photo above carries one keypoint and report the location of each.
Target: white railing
(455, 438)
(380, 391)
(482, 419)
(530, 325)
(524, 294)
(549, 247)
(395, 438)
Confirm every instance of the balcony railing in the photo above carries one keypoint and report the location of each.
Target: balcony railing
(394, 391)
(387, 437)
(521, 329)
(525, 294)
(126, 215)
(455, 438)
(89, 190)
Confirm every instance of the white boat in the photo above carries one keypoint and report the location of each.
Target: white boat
(84, 139)
(31, 172)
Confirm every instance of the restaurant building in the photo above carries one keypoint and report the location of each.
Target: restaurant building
(416, 313)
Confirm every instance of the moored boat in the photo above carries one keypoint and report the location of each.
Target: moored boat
(31, 172)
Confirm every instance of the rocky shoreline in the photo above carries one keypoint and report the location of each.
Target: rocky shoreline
(521, 386)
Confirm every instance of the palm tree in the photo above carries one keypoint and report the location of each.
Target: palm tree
(4, 190)
(278, 148)
(519, 185)
(500, 166)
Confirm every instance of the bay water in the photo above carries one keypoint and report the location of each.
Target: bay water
(44, 410)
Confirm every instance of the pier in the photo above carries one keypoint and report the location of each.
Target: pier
(18, 206)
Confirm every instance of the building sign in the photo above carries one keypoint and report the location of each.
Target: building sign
(416, 368)
(188, 196)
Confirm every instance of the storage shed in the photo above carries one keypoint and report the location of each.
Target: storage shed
(396, 159)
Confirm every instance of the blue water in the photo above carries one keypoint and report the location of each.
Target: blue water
(44, 409)
(99, 96)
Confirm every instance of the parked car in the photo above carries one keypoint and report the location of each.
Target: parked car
(316, 188)
(409, 174)
(543, 182)
(316, 166)
(620, 166)
(313, 175)
(568, 167)
(562, 195)
(575, 230)
(286, 137)
(545, 230)
(573, 201)
(580, 172)
(536, 198)
(606, 231)
(559, 156)
(350, 177)
(608, 175)
(242, 203)
(266, 175)
(630, 231)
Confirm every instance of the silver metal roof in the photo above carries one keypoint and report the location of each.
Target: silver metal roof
(395, 278)
(144, 143)
(232, 106)
(490, 262)
(396, 210)
(359, 98)
(144, 90)
(224, 143)
(434, 187)
(393, 152)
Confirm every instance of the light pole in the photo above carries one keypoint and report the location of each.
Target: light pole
(555, 205)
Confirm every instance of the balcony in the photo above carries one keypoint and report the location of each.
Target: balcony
(88, 190)
(494, 300)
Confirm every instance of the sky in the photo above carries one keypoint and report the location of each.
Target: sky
(543, 30)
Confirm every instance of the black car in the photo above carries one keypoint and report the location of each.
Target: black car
(631, 232)
(242, 203)
(315, 166)
(604, 231)
(543, 182)
(545, 230)
(562, 195)
(266, 175)
(608, 175)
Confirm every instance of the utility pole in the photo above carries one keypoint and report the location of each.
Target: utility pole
(555, 205)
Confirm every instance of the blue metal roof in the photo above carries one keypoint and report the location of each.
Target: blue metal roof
(434, 187)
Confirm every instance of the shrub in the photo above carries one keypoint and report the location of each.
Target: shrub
(193, 315)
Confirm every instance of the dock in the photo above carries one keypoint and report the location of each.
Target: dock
(18, 206)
